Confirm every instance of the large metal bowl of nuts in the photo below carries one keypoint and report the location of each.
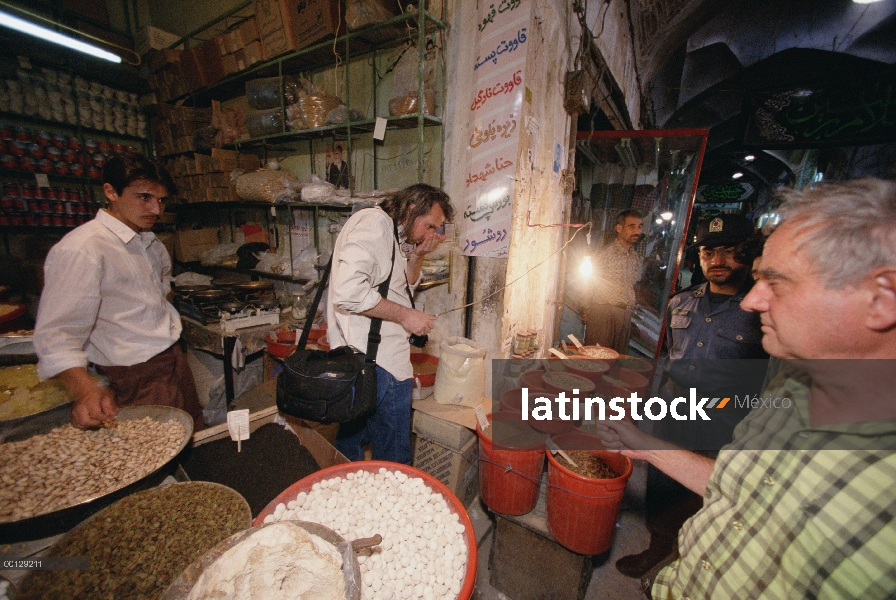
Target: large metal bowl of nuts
(55, 477)
(137, 546)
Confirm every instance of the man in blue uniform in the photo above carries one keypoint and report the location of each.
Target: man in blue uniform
(708, 336)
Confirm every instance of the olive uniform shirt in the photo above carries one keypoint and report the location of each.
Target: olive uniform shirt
(788, 513)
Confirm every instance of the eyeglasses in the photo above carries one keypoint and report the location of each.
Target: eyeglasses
(711, 253)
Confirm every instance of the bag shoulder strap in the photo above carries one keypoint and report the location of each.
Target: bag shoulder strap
(373, 337)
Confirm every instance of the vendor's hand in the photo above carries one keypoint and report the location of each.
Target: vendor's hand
(417, 322)
(94, 407)
(92, 404)
(624, 437)
(428, 245)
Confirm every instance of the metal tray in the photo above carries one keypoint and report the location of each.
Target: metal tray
(252, 286)
(191, 289)
(61, 520)
(211, 294)
(182, 586)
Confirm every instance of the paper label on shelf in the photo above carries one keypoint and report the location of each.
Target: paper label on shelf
(238, 424)
(480, 416)
(42, 180)
(379, 129)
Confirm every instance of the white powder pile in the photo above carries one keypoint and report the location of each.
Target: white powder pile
(281, 561)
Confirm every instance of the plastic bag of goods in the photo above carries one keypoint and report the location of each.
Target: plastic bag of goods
(460, 376)
(265, 92)
(317, 190)
(405, 89)
(267, 186)
(264, 122)
(407, 104)
(315, 108)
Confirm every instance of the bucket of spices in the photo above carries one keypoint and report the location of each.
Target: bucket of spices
(632, 381)
(583, 501)
(511, 460)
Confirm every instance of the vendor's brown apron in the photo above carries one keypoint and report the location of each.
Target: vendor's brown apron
(164, 379)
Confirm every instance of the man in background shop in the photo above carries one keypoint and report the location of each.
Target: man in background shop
(406, 224)
(105, 302)
(800, 504)
(608, 312)
(712, 345)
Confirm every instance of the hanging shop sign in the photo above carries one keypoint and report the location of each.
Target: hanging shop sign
(493, 138)
(724, 192)
(854, 114)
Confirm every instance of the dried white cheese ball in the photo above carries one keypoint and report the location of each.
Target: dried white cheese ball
(423, 554)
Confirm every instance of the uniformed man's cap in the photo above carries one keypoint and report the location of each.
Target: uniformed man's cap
(724, 230)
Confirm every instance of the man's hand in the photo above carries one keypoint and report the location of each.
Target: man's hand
(687, 468)
(417, 322)
(415, 258)
(92, 404)
(428, 245)
(625, 437)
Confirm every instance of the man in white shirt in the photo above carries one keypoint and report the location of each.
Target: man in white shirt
(361, 262)
(608, 313)
(105, 302)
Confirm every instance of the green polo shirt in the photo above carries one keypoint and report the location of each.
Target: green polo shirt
(807, 519)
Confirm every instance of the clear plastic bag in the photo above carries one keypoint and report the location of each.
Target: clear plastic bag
(317, 190)
(264, 122)
(460, 376)
(267, 186)
(315, 108)
(407, 104)
(265, 93)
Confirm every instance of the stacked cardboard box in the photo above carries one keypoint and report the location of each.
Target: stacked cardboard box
(173, 127)
(153, 38)
(449, 452)
(244, 46)
(232, 51)
(165, 77)
(206, 178)
(286, 25)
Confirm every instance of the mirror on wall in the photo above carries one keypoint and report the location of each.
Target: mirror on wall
(649, 178)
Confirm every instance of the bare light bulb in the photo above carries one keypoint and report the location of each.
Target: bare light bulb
(585, 268)
(666, 216)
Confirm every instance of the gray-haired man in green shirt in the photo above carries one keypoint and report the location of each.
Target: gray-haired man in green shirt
(801, 503)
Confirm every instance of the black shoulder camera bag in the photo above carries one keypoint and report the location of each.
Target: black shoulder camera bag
(335, 386)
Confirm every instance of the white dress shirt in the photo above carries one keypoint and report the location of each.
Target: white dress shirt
(104, 299)
(360, 264)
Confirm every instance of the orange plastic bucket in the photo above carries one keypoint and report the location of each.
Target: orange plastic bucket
(581, 511)
(509, 478)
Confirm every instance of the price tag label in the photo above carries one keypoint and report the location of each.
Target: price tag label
(238, 424)
(379, 129)
(480, 416)
(42, 180)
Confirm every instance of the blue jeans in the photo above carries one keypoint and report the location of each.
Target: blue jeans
(388, 429)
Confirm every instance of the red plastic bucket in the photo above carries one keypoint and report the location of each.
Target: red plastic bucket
(581, 511)
(509, 478)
